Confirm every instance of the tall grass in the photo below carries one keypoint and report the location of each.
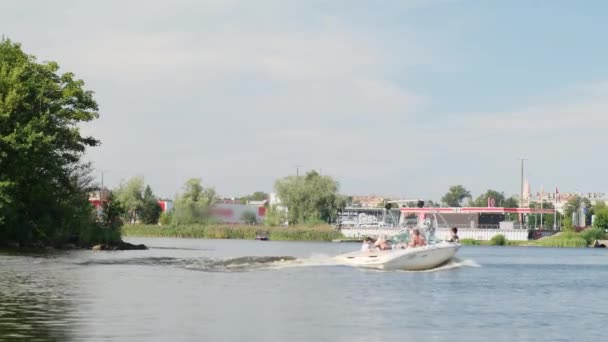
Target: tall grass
(592, 234)
(566, 239)
(218, 231)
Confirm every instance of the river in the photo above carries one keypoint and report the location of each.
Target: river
(227, 290)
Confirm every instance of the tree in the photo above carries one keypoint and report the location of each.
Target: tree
(130, 194)
(601, 219)
(548, 219)
(309, 199)
(275, 216)
(482, 200)
(193, 205)
(455, 195)
(573, 204)
(112, 213)
(256, 196)
(43, 183)
(150, 209)
(249, 217)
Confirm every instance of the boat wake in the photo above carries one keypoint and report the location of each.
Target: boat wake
(453, 263)
(251, 263)
(238, 264)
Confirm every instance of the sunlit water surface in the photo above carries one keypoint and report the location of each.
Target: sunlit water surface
(222, 290)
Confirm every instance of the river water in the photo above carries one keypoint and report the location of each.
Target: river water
(226, 290)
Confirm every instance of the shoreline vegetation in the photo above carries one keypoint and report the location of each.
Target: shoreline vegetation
(583, 239)
(242, 232)
(591, 237)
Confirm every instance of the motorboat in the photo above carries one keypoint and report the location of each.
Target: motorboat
(262, 236)
(411, 258)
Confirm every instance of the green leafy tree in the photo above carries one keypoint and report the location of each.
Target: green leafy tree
(548, 219)
(574, 203)
(601, 219)
(249, 217)
(455, 195)
(130, 194)
(112, 213)
(256, 196)
(274, 216)
(309, 199)
(194, 204)
(43, 183)
(482, 200)
(150, 209)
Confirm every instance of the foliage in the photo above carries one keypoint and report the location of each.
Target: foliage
(601, 219)
(194, 204)
(567, 225)
(166, 218)
(567, 239)
(498, 240)
(112, 212)
(256, 196)
(547, 219)
(215, 231)
(150, 209)
(309, 198)
(592, 234)
(455, 195)
(249, 217)
(470, 242)
(44, 185)
(274, 216)
(499, 197)
(573, 204)
(130, 194)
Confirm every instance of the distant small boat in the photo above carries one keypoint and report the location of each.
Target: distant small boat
(262, 236)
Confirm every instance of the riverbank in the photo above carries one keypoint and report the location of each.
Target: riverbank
(587, 238)
(245, 232)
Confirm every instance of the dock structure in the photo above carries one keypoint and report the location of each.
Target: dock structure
(479, 223)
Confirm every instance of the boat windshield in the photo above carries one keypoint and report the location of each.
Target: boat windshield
(401, 237)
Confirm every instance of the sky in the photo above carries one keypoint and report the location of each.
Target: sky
(392, 98)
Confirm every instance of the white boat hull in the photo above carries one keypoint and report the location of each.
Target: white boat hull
(412, 258)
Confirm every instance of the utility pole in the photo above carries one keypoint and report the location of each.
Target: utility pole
(521, 198)
(298, 170)
(101, 189)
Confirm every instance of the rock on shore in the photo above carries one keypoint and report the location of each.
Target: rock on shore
(123, 246)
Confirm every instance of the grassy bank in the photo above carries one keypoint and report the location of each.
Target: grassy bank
(562, 240)
(215, 231)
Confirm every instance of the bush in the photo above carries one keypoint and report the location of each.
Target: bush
(498, 240)
(470, 242)
(166, 218)
(249, 217)
(567, 225)
(592, 234)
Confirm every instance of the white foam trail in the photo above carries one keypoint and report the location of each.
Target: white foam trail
(314, 260)
(452, 264)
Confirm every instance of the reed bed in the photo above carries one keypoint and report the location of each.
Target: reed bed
(217, 231)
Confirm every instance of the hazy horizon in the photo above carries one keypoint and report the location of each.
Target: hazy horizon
(403, 99)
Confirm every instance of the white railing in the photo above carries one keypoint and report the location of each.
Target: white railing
(440, 233)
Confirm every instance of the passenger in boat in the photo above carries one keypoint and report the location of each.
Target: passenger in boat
(454, 237)
(417, 239)
(367, 244)
(382, 244)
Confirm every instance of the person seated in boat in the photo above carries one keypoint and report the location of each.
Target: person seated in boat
(454, 237)
(381, 244)
(417, 239)
(367, 244)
